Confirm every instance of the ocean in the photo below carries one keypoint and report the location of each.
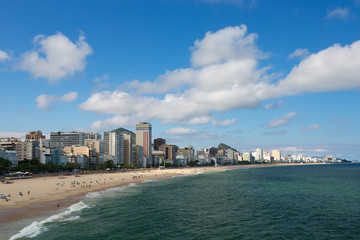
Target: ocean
(286, 202)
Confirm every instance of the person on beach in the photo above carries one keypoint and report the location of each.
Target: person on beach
(58, 205)
(28, 192)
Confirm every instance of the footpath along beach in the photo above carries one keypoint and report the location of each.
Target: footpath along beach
(30, 197)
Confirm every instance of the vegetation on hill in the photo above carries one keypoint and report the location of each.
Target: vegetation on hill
(225, 147)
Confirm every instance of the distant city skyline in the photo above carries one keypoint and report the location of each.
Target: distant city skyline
(251, 74)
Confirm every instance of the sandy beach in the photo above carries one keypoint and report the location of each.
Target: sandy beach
(32, 196)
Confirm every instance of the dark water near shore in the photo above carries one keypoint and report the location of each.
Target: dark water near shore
(291, 202)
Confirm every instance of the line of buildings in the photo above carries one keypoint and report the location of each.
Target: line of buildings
(125, 148)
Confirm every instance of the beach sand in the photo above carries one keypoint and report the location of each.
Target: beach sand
(52, 192)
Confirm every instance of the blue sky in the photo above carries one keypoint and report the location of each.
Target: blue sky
(249, 73)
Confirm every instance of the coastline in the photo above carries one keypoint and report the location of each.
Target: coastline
(47, 192)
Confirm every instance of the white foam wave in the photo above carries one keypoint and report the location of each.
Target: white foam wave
(131, 184)
(37, 228)
(148, 180)
(93, 194)
(70, 218)
(199, 172)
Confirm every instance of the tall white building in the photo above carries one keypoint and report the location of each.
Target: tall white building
(143, 138)
(113, 146)
(276, 154)
(259, 155)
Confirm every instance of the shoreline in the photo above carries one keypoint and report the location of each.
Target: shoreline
(47, 192)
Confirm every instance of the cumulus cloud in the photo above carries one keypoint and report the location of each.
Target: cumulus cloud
(335, 68)
(224, 123)
(4, 56)
(181, 131)
(338, 13)
(299, 53)
(55, 57)
(115, 121)
(281, 121)
(44, 101)
(311, 128)
(225, 75)
(273, 105)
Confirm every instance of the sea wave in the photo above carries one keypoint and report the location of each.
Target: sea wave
(148, 180)
(37, 228)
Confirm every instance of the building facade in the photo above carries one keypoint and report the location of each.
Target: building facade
(170, 151)
(60, 140)
(114, 147)
(27, 150)
(144, 139)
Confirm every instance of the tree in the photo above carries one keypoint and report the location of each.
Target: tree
(4, 165)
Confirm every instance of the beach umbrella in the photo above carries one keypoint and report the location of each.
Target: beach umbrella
(5, 196)
(1, 194)
(20, 192)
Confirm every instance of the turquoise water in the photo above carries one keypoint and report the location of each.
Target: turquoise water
(292, 202)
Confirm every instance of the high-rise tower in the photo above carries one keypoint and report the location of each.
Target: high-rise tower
(143, 138)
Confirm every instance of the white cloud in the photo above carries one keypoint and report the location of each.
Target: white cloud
(273, 105)
(281, 121)
(4, 56)
(55, 57)
(114, 122)
(44, 101)
(231, 43)
(69, 97)
(320, 150)
(291, 149)
(230, 79)
(299, 53)
(224, 123)
(311, 127)
(335, 68)
(181, 131)
(12, 134)
(339, 13)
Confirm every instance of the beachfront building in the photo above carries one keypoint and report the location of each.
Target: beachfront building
(144, 139)
(276, 154)
(9, 155)
(158, 142)
(169, 151)
(57, 157)
(27, 150)
(188, 153)
(259, 155)
(247, 156)
(129, 143)
(45, 155)
(60, 140)
(97, 146)
(114, 147)
(158, 158)
(267, 157)
(139, 158)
